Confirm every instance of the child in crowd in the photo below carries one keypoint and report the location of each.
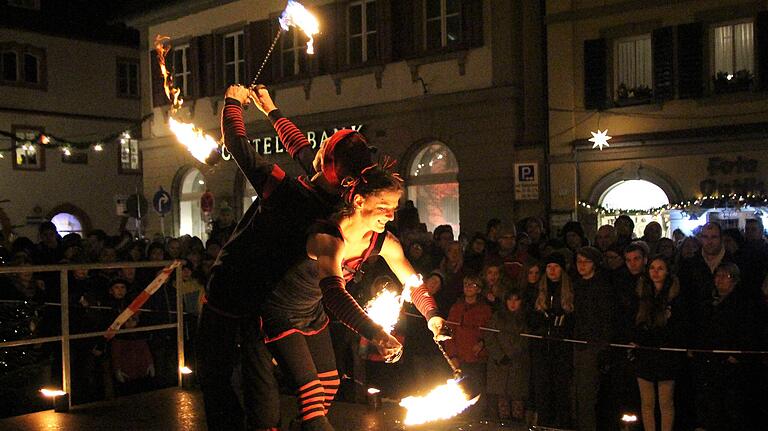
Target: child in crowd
(508, 357)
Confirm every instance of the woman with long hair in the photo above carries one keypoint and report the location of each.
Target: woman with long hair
(657, 324)
(553, 359)
(295, 321)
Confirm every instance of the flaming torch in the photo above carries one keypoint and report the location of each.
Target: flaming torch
(202, 146)
(294, 15)
(443, 402)
(385, 307)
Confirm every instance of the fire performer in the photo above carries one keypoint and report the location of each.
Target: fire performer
(271, 235)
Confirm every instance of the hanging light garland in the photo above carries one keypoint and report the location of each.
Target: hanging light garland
(732, 201)
(67, 146)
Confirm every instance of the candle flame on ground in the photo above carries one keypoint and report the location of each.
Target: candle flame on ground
(297, 15)
(52, 392)
(442, 402)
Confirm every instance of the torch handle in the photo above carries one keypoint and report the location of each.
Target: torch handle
(266, 58)
(456, 371)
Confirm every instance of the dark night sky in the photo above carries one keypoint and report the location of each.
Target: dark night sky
(81, 19)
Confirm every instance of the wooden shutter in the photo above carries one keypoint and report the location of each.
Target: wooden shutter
(690, 60)
(595, 74)
(218, 64)
(260, 38)
(472, 23)
(761, 49)
(385, 29)
(403, 26)
(156, 78)
(662, 48)
(325, 60)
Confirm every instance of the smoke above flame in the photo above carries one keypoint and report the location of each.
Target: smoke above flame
(442, 402)
(298, 16)
(199, 144)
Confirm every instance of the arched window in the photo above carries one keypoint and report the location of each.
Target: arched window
(249, 195)
(433, 186)
(637, 195)
(67, 223)
(190, 214)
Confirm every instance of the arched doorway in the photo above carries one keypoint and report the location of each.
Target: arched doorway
(192, 187)
(69, 218)
(639, 197)
(433, 185)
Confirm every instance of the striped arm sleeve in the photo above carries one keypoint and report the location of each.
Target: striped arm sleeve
(290, 135)
(424, 302)
(345, 308)
(232, 118)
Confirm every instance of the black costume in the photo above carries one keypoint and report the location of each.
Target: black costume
(245, 271)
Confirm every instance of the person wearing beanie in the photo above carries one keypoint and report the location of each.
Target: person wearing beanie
(238, 288)
(573, 235)
(552, 359)
(508, 251)
(593, 317)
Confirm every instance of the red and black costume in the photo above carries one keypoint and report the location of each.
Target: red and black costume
(251, 262)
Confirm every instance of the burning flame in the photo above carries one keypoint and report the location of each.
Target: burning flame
(385, 307)
(163, 47)
(52, 392)
(196, 141)
(297, 15)
(443, 402)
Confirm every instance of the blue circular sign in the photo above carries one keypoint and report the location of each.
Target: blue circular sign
(162, 202)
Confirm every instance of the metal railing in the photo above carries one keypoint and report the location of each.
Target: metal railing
(66, 337)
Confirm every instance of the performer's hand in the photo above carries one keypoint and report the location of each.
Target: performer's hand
(240, 93)
(388, 346)
(263, 100)
(436, 325)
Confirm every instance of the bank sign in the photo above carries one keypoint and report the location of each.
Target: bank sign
(267, 145)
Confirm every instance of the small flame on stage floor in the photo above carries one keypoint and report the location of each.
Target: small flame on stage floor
(442, 402)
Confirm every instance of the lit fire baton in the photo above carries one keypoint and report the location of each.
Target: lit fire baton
(202, 146)
(294, 15)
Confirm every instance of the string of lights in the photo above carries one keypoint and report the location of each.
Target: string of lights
(48, 140)
(733, 200)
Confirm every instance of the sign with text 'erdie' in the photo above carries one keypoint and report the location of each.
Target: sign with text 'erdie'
(526, 181)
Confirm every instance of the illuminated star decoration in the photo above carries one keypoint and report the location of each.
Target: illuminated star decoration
(600, 139)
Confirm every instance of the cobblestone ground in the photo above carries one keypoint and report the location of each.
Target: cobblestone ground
(182, 410)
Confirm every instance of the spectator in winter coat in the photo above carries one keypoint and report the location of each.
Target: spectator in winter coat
(508, 357)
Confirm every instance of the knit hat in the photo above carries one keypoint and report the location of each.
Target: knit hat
(555, 257)
(591, 253)
(438, 273)
(330, 168)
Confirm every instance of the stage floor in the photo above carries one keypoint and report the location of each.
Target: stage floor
(177, 409)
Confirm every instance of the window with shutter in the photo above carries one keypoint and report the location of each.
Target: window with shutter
(233, 58)
(633, 69)
(180, 68)
(733, 56)
(442, 24)
(362, 32)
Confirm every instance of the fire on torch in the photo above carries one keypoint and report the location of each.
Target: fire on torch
(202, 146)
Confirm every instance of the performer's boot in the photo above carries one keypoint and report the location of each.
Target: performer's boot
(319, 423)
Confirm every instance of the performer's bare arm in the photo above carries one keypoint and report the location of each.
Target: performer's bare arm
(329, 250)
(392, 252)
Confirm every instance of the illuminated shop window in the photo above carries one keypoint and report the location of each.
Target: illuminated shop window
(433, 186)
(67, 223)
(190, 214)
(636, 195)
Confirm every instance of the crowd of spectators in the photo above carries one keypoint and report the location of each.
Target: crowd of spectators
(699, 293)
(702, 292)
